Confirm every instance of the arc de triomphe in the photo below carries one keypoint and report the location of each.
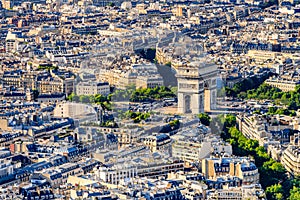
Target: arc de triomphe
(197, 87)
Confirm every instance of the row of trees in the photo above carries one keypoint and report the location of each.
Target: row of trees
(104, 101)
(245, 85)
(280, 111)
(157, 93)
(130, 94)
(136, 116)
(277, 111)
(273, 176)
(264, 91)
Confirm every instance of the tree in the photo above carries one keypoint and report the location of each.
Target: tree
(73, 97)
(174, 90)
(297, 89)
(261, 156)
(272, 172)
(242, 95)
(106, 105)
(174, 123)
(274, 192)
(294, 193)
(230, 92)
(204, 119)
(272, 110)
(91, 98)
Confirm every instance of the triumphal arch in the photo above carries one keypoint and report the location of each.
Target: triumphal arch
(197, 86)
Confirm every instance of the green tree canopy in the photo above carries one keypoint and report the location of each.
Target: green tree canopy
(204, 119)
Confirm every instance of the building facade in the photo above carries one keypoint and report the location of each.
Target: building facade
(238, 167)
(291, 156)
(92, 88)
(282, 84)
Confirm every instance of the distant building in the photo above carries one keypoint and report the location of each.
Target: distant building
(253, 192)
(92, 88)
(291, 156)
(265, 129)
(56, 84)
(262, 56)
(239, 167)
(48, 98)
(155, 169)
(78, 111)
(191, 146)
(190, 149)
(107, 2)
(161, 142)
(282, 84)
(149, 81)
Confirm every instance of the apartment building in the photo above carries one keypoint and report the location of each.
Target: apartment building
(291, 156)
(13, 40)
(141, 75)
(262, 56)
(127, 136)
(242, 168)
(187, 150)
(253, 192)
(50, 85)
(161, 142)
(59, 175)
(163, 55)
(54, 84)
(77, 111)
(149, 81)
(225, 194)
(12, 78)
(6, 168)
(252, 126)
(194, 145)
(283, 84)
(159, 189)
(92, 88)
(44, 82)
(265, 129)
(114, 174)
